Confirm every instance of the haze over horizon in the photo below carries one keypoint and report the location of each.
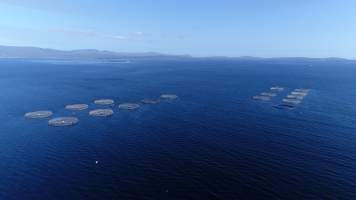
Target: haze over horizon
(217, 28)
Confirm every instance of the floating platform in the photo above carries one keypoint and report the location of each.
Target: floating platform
(101, 112)
(262, 98)
(169, 96)
(39, 114)
(129, 106)
(63, 121)
(104, 102)
(150, 101)
(77, 107)
(269, 94)
(277, 88)
(299, 93)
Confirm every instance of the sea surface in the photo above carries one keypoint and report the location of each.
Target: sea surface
(213, 142)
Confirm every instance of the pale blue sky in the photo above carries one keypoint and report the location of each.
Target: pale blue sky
(273, 28)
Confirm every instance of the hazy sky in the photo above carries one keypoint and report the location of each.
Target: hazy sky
(313, 28)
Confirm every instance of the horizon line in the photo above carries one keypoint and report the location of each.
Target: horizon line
(182, 55)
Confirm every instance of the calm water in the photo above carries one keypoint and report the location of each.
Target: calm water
(214, 142)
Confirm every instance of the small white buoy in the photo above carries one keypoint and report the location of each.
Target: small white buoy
(96, 162)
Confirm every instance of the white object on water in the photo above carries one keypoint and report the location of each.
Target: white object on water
(129, 106)
(104, 102)
(63, 121)
(39, 114)
(77, 107)
(299, 93)
(277, 88)
(169, 96)
(302, 90)
(101, 112)
(96, 162)
(269, 94)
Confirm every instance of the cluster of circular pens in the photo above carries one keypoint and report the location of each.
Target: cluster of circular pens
(289, 102)
(102, 112)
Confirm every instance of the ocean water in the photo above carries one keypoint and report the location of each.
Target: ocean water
(213, 142)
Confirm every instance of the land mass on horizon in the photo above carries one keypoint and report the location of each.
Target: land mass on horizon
(27, 52)
(46, 53)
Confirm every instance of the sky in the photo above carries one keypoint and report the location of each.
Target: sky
(264, 28)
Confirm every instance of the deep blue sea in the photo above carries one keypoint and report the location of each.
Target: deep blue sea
(213, 142)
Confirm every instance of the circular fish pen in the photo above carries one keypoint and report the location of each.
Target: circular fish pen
(39, 114)
(299, 93)
(277, 88)
(169, 96)
(150, 101)
(269, 94)
(101, 113)
(129, 106)
(104, 102)
(77, 107)
(63, 121)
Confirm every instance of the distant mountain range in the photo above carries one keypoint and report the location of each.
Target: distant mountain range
(44, 53)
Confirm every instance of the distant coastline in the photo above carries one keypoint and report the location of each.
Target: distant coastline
(19, 52)
(44, 53)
